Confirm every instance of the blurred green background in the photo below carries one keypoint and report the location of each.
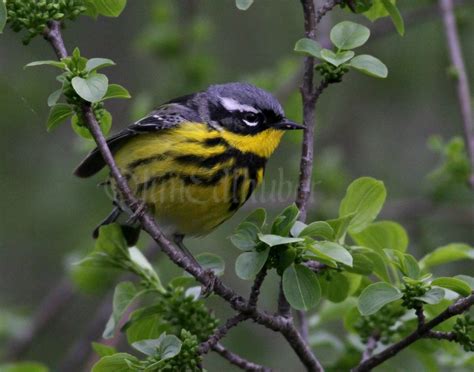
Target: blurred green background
(163, 49)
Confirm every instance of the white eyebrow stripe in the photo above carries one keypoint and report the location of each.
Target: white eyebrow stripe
(232, 105)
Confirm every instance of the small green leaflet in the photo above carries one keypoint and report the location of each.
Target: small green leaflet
(110, 8)
(457, 285)
(309, 46)
(94, 64)
(58, 114)
(394, 13)
(274, 240)
(336, 59)
(365, 197)
(211, 261)
(376, 296)
(116, 91)
(121, 362)
(349, 35)
(301, 287)
(369, 65)
(91, 89)
(249, 264)
(446, 254)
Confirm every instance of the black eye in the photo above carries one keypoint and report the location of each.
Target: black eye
(251, 119)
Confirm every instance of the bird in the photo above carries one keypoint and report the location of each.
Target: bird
(195, 160)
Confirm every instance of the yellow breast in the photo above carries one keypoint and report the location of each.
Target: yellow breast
(194, 177)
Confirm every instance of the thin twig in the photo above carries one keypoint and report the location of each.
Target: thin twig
(284, 308)
(325, 8)
(464, 93)
(370, 347)
(238, 361)
(420, 315)
(438, 335)
(257, 285)
(148, 224)
(457, 308)
(207, 345)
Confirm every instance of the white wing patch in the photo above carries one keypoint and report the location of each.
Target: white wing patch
(232, 105)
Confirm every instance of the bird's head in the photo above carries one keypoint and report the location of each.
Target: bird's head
(245, 109)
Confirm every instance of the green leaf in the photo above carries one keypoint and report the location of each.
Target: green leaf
(334, 251)
(80, 129)
(318, 229)
(243, 4)
(454, 284)
(446, 254)
(296, 229)
(116, 91)
(57, 115)
(125, 294)
(165, 347)
(365, 197)
(54, 97)
(146, 324)
(411, 267)
(249, 264)
(23, 366)
(285, 221)
(3, 16)
(121, 362)
(369, 65)
(169, 346)
(210, 261)
(336, 59)
(94, 64)
(301, 287)
(361, 264)
(394, 13)
(112, 242)
(379, 264)
(105, 122)
(349, 35)
(142, 264)
(468, 279)
(53, 63)
(245, 237)
(103, 350)
(382, 235)
(110, 8)
(309, 46)
(433, 296)
(377, 10)
(340, 226)
(257, 217)
(335, 287)
(273, 240)
(376, 296)
(91, 89)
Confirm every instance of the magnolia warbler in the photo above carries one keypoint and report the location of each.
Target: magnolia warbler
(195, 160)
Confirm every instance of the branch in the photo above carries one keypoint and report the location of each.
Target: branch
(324, 9)
(257, 285)
(220, 333)
(424, 330)
(464, 93)
(238, 361)
(148, 224)
(370, 347)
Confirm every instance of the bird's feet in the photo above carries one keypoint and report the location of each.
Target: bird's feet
(211, 282)
(139, 210)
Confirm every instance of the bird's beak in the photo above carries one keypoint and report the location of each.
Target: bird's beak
(286, 124)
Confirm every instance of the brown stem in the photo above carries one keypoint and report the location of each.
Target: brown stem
(238, 361)
(457, 308)
(463, 90)
(221, 332)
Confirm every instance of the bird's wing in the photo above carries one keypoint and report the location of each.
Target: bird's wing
(166, 116)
